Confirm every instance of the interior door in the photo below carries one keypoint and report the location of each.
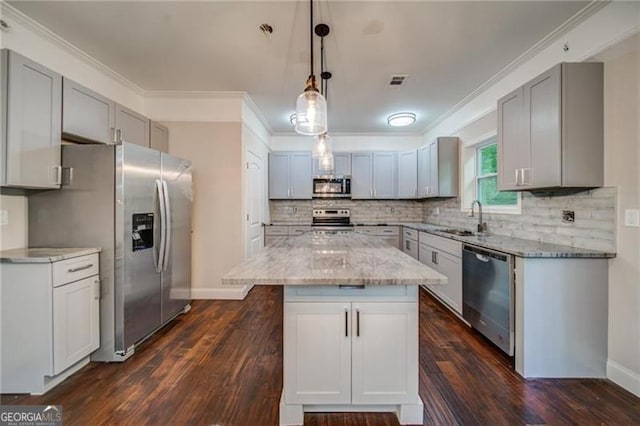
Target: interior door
(176, 270)
(255, 198)
(137, 282)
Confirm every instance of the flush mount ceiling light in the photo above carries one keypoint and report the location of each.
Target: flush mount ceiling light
(292, 119)
(401, 119)
(311, 106)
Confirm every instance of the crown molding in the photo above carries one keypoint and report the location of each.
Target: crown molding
(584, 13)
(14, 14)
(195, 94)
(254, 108)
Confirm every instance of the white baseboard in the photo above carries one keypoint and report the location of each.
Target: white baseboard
(623, 377)
(220, 293)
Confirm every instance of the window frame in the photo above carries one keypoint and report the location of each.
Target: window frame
(473, 148)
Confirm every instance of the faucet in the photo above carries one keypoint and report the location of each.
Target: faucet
(482, 226)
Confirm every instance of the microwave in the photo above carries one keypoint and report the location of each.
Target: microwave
(332, 187)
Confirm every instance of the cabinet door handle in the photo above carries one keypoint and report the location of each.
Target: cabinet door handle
(346, 323)
(517, 180)
(80, 268)
(357, 322)
(58, 172)
(118, 136)
(114, 138)
(528, 175)
(435, 257)
(406, 244)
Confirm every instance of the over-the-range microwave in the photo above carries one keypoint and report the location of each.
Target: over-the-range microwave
(332, 187)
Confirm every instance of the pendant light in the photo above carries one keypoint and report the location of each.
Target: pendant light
(322, 144)
(311, 106)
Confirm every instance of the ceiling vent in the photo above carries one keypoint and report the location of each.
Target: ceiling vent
(397, 80)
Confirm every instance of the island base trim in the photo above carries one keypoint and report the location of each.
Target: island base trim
(293, 414)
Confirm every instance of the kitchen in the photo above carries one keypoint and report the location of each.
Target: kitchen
(231, 144)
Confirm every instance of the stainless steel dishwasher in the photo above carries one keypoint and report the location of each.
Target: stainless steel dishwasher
(488, 294)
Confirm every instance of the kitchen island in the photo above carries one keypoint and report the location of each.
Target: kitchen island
(350, 323)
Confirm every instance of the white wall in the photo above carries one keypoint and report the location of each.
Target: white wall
(348, 143)
(605, 35)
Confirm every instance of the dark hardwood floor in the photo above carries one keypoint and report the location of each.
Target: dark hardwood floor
(221, 364)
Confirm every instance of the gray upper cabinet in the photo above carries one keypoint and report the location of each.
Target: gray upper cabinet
(385, 175)
(301, 180)
(551, 130)
(86, 115)
(513, 148)
(159, 135)
(374, 175)
(290, 175)
(408, 174)
(341, 165)
(31, 123)
(131, 127)
(438, 168)
(361, 175)
(423, 171)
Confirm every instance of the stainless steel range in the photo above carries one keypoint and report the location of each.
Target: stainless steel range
(331, 221)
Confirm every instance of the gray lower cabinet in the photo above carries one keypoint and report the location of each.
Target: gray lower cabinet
(86, 115)
(31, 108)
(550, 131)
(159, 137)
(444, 256)
(131, 127)
(408, 174)
(438, 168)
(290, 175)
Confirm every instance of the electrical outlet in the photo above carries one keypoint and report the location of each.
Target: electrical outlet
(391, 209)
(632, 218)
(568, 216)
(4, 217)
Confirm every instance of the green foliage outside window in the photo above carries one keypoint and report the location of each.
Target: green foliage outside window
(487, 179)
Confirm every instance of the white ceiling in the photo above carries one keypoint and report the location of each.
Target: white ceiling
(448, 49)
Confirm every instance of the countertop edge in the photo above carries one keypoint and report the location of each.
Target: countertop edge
(9, 259)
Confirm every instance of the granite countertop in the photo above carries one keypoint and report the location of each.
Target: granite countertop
(352, 259)
(504, 243)
(43, 255)
(516, 246)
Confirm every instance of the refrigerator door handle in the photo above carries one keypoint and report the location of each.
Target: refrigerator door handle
(167, 232)
(163, 225)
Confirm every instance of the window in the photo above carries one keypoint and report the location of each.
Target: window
(487, 179)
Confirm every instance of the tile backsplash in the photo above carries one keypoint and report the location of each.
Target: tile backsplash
(362, 211)
(541, 218)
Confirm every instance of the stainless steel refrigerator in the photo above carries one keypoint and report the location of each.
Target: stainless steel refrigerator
(134, 203)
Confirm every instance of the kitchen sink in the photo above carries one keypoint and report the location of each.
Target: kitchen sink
(458, 232)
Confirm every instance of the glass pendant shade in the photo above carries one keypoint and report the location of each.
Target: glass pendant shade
(325, 163)
(322, 146)
(311, 113)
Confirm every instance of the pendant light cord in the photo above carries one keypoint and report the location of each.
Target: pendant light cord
(311, 34)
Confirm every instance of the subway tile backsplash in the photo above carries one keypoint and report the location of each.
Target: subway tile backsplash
(541, 218)
(362, 211)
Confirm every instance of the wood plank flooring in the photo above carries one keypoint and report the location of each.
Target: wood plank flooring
(221, 364)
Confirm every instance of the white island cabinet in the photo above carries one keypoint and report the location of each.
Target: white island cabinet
(350, 323)
(50, 316)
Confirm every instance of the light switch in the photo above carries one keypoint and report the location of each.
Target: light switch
(632, 218)
(4, 217)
